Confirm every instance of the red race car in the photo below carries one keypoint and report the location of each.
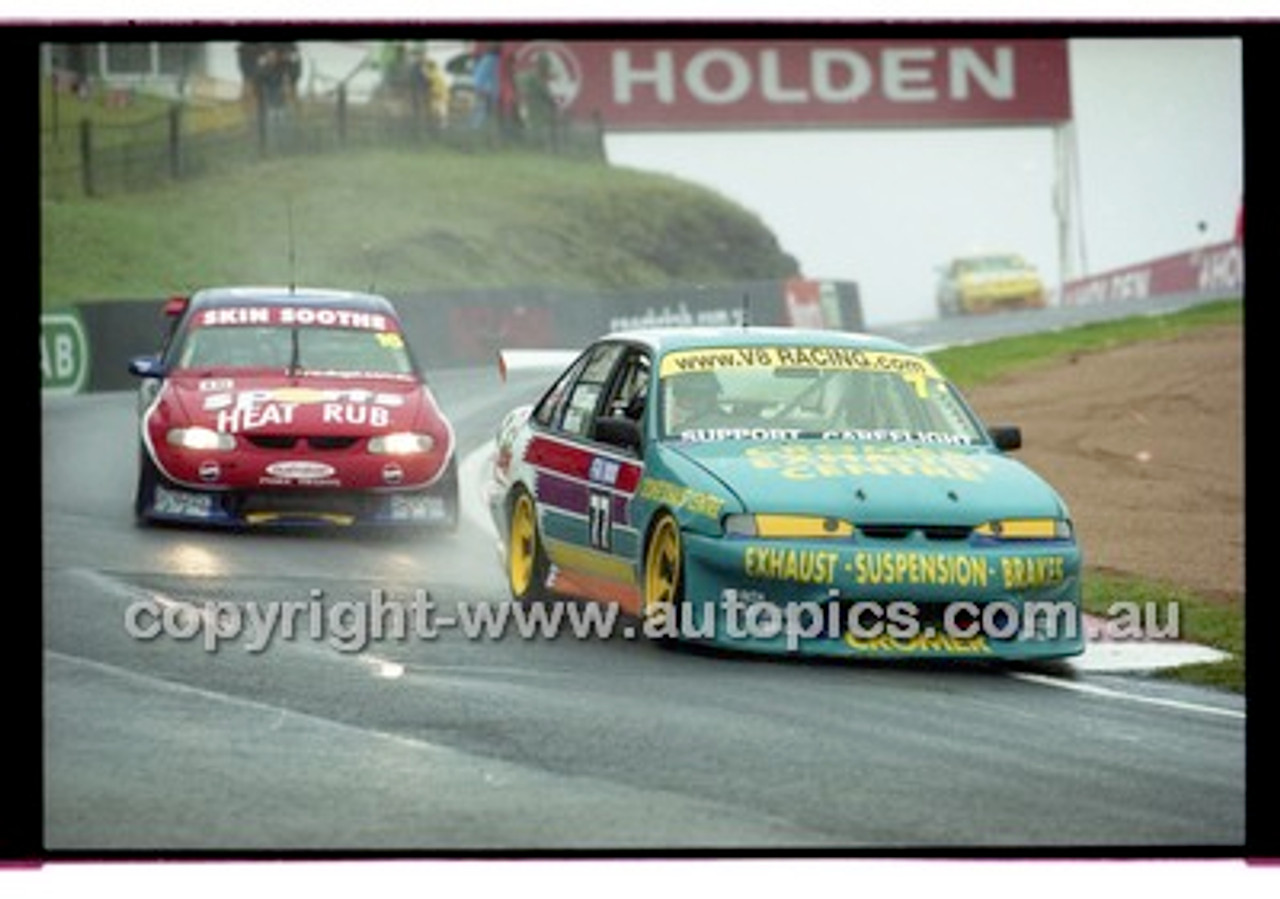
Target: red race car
(285, 407)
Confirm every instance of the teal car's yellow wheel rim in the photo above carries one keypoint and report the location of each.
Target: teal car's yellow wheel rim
(524, 567)
(662, 572)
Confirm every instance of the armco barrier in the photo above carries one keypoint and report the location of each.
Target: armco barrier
(457, 328)
(1212, 271)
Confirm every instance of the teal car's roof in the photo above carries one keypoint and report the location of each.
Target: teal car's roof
(663, 340)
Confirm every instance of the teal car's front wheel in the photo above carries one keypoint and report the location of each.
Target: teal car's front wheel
(663, 576)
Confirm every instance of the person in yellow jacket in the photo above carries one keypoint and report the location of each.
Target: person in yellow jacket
(437, 90)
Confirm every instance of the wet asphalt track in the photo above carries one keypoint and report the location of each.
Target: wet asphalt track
(450, 745)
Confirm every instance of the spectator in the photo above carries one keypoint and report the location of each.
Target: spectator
(417, 77)
(392, 61)
(273, 76)
(396, 84)
(537, 102)
(78, 63)
(274, 88)
(291, 64)
(508, 92)
(486, 81)
(437, 90)
(247, 55)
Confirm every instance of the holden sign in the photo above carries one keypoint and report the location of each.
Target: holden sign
(662, 85)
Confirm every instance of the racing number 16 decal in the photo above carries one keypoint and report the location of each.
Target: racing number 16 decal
(600, 519)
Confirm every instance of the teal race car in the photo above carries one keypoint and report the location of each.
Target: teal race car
(784, 490)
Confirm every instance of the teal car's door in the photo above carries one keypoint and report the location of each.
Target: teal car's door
(584, 486)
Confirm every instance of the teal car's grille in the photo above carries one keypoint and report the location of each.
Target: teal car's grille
(902, 531)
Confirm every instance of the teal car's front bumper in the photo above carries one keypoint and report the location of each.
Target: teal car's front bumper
(908, 597)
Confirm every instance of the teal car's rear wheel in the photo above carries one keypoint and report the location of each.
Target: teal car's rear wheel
(526, 561)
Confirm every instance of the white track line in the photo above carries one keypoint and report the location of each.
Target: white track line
(172, 686)
(1107, 693)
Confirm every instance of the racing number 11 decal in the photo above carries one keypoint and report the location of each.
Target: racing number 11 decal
(600, 519)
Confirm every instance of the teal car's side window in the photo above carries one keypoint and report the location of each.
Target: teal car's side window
(547, 411)
(584, 392)
(630, 387)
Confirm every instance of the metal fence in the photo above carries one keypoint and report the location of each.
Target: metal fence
(99, 159)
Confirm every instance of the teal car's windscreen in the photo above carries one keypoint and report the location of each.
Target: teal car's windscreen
(727, 392)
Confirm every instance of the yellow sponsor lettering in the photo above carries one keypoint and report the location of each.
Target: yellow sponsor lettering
(900, 567)
(696, 502)
(915, 368)
(803, 462)
(929, 569)
(703, 504)
(803, 566)
(917, 380)
(921, 643)
(933, 569)
(1030, 572)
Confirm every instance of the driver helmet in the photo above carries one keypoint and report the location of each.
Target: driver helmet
(697, 389)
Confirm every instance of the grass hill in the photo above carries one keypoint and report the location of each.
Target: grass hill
(404, 221)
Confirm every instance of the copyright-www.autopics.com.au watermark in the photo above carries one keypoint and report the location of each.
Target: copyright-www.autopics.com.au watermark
(351, 625)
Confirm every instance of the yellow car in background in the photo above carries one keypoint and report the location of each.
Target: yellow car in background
(991, 282)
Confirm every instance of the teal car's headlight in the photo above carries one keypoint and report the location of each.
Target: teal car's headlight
(198, 438)
(786, 526)
(401, 444)
(1026, 529)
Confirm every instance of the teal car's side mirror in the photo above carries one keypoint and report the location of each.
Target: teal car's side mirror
(1006, 437)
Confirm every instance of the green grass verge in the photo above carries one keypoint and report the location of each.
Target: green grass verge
(1209, 621)
(969, 366)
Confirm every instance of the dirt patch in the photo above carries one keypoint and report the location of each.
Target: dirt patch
(1146, 444)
